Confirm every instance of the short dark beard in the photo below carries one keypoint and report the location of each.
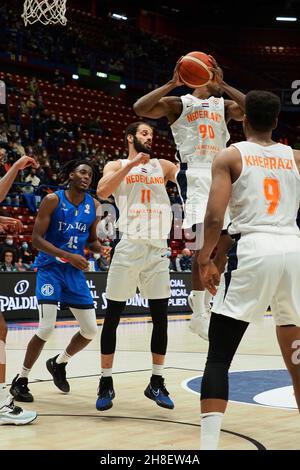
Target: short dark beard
(140, 147)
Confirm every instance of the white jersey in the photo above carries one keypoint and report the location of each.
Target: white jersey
(200, 131)
(266, 196)
(143, 203)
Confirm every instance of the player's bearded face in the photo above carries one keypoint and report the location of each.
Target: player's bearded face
(142, 146)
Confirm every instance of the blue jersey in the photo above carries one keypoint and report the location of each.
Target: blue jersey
(69, 228)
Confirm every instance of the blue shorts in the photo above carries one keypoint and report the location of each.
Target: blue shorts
(63, 283)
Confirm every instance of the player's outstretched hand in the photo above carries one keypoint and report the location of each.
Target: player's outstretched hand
(78, 262)
(10, 225)
(24, 162)
(140, 159)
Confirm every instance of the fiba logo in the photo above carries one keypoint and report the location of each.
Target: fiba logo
(21, 287)
(47, 290)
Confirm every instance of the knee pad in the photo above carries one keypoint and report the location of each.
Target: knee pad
(47, 314)
(87, 322)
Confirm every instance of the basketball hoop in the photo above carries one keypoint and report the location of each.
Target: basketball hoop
(44, 11)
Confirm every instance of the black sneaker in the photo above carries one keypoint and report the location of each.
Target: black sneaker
(19, 389)
(106, 394)
(157, 392)
(58, 372)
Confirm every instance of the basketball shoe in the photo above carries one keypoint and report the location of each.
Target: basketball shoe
(19, 389)
(11, 414)
(199, 322)
(157, 392)
(58, 372)
(106, 394)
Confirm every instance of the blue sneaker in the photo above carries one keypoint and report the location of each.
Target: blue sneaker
(157, 392)
(106, 394)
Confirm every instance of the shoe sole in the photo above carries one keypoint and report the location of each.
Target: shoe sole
(18, 422)
(162, 405)
(50, 370)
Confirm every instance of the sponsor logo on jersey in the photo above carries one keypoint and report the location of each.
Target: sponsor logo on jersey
(61, 260)
(87, 209)
(47, 290)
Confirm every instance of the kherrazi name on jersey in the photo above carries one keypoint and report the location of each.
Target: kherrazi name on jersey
(64, 226)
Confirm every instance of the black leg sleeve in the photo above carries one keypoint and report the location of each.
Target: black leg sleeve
(110, 325)
(159, 314)
(225, 334)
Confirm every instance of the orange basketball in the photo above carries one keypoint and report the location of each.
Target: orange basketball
(195, 69)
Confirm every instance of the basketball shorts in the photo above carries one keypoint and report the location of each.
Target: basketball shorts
(138, 263)
(194, 186)
(63, 283)
(263, 269)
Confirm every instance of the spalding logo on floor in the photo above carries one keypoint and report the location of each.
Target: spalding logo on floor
(270, 388)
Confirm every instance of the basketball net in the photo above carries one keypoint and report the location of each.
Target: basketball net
(44, 11)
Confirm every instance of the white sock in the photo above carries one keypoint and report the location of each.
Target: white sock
(198, 302)
(207, 300)
(24, 372)
(210, 430)
(106, 372)
(63, 357)
(157, 369)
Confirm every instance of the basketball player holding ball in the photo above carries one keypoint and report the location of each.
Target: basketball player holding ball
(199, 125)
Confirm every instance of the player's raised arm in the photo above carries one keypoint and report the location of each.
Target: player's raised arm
(113, 174)
(156, 104)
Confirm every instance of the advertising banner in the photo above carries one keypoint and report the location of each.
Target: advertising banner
(18, 301)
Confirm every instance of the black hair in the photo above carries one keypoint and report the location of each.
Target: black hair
(132, 130)
(69, 167)
(8, 250)
(262, 109)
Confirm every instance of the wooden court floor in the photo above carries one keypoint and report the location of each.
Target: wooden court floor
(71, 421)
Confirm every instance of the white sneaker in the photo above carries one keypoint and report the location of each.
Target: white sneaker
(199, 322)
(11, 414)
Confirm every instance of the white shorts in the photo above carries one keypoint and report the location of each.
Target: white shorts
(194, 186)
(263, 269)
(137, 263)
